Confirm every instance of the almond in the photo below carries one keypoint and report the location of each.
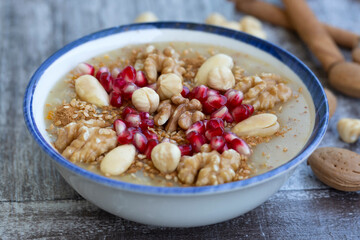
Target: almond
(332, 102)
(336, 167)
(264, 124)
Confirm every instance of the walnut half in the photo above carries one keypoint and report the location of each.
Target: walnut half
(80, 143)
(209, 168)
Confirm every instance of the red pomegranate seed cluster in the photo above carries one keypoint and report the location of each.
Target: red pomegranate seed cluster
(227, 107)
(133, 129)
(121, 87)
(213, 132)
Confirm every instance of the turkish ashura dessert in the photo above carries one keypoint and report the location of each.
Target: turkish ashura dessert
(166, 113)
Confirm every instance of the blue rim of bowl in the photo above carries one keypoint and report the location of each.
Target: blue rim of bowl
(321, 112)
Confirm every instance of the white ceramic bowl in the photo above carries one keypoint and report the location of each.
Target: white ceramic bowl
(169, 206)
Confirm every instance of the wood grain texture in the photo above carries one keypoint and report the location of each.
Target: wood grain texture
(35, 202)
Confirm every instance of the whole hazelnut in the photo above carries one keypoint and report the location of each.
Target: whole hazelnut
(221, 78)
(145, 100)
(166, 157)
(169, 84)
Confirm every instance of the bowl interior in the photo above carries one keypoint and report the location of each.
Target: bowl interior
(87, 47)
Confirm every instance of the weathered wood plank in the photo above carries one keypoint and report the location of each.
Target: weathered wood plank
(29, 181)
(288, 214)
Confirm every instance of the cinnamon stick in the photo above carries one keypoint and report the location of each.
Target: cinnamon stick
(277, 16)
(313, 33)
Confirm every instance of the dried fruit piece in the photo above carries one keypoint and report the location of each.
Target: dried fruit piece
(90, 90)
(118, 160)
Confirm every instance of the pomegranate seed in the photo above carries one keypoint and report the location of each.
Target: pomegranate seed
(140, 79)
(185, 92)
(149, 134)
(128, 74)
(100, 71)
(207, 108)
(128, 110)
(212, 92)
(229, 136)
(145, 123)
(240, 113)
(144, 115)
(125, 137)
(115, 71)
(196, 140)
(119, 126)
(84, 69)
(106, 80)
(234, 97)
(133, 120)
(217, 101)
(197, 127)
(228, 117)
(213, 103)
(118, 84)
(200, 93)
(185, 149)
(152, 86)
(214, 124)
(134, 130)
(140, 142)
(211, 133)
(240, 146)
(217, 143)
(115, 99)
(128, 90)
(151, 144)
(220, 113)
(250, 108)
(225, 148)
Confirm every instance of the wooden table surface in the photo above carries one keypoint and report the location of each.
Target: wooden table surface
(35, 202)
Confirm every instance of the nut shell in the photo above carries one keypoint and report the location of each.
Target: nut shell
(145, 100)
(336, 167)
